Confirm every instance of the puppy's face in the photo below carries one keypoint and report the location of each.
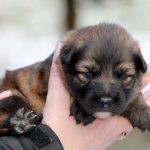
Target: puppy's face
(102, 67)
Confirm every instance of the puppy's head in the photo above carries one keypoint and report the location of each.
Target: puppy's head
(102, 67)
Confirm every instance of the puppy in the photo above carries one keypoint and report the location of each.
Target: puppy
(101, 67)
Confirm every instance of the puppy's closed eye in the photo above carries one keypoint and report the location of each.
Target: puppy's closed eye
(84, 72)
(85, 77)
(125, 72)
(125, 78)
(88, 75)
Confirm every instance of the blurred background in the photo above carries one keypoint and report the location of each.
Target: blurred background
(30, 30)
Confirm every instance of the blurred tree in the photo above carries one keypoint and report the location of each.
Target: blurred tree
(71, 14)
(70, 21)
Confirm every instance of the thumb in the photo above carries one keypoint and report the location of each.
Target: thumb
(58, 98)
(56, 85)
(57, 94)
(55, 78)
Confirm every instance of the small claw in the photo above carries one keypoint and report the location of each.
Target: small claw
(29, 113)
(21, 110)
(33, 117)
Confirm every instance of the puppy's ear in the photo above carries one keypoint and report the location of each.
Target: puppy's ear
(140, 62)
(66, 53)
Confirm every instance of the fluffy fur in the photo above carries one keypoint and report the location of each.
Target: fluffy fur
(101, 67)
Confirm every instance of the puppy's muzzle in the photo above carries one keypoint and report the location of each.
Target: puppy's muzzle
(107, 94)
(101, 98)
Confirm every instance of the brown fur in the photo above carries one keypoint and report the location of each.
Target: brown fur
(28, 83)
(93, 49)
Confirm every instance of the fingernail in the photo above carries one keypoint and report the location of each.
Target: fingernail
(123, 135)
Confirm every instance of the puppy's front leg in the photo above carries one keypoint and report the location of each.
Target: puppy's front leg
(138, 113)
(16, 116)
(80, 115)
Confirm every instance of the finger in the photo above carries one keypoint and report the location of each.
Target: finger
(56, 85)
(55, 78)
(147, 97)
(57, 50)
(55, 57)
(57, 98)
(146, 94)
(125, 125)
(146, 77)
(5, 94)
(122, 125)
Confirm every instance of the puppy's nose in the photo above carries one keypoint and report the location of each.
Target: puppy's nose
(106, 100)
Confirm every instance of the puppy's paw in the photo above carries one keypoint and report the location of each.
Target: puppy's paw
(138, 113)
(80, 115)
(141, 120)
(139, 116)
(24, 120)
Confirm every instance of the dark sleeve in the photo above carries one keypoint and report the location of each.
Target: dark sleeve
(40, 138)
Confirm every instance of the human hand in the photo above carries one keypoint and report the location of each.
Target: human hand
(96, 136)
